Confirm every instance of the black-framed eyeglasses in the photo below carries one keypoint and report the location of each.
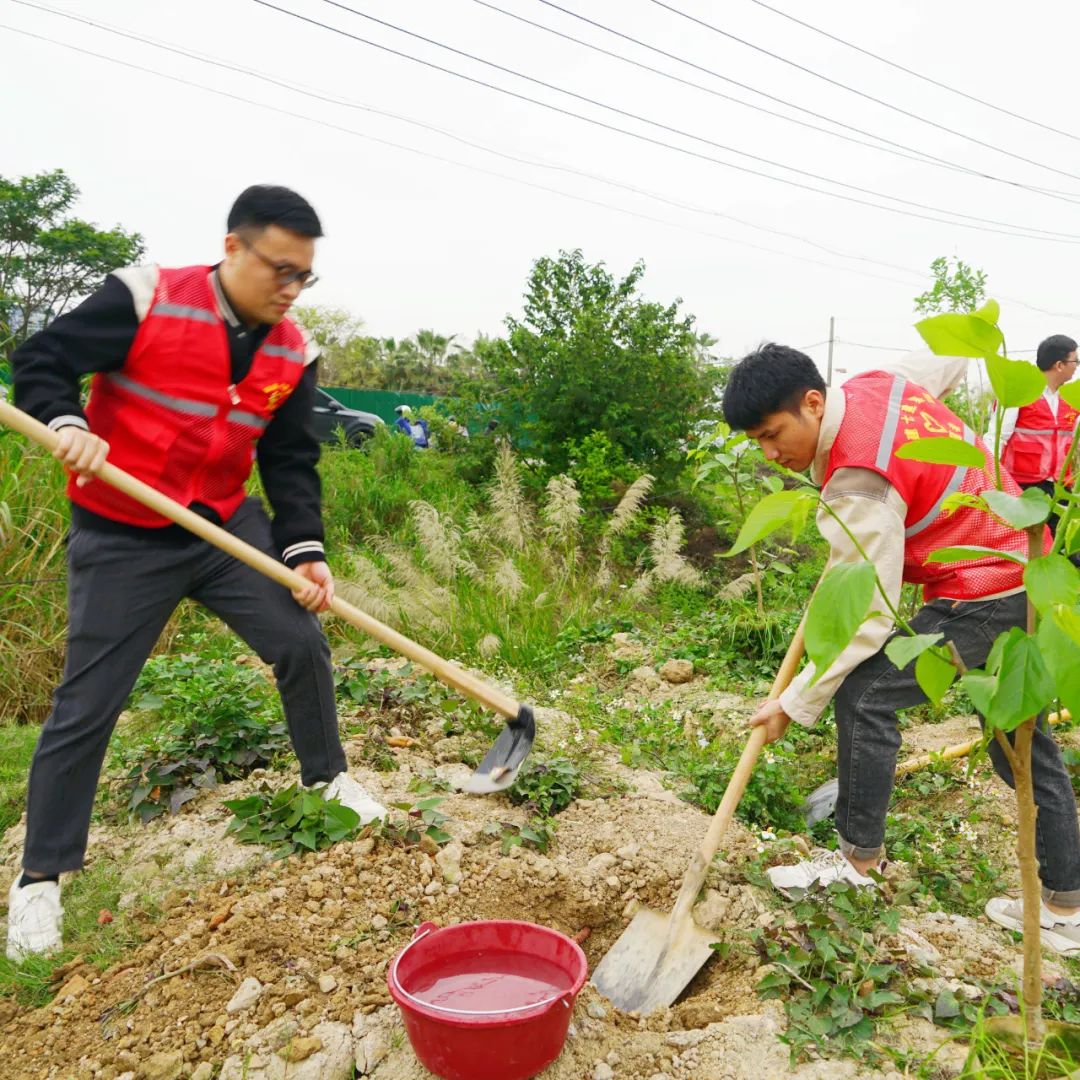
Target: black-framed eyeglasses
(283, 272)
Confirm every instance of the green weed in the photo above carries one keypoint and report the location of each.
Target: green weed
(213, 721)
(290, 820)
(547, 787)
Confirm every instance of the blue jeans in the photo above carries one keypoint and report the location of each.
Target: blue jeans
(869, 738)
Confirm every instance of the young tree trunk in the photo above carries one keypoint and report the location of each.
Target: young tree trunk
(1025, 847)
(1029, 879)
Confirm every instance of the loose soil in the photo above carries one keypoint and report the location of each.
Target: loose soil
(318, 933)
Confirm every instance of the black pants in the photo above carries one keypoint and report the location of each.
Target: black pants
(121, 592)
(869, 738)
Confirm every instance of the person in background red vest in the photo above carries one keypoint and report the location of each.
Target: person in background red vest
(894, 510)
(1036, 440)
(198, 373)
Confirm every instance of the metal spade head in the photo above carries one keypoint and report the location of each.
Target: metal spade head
(821, 802)
(500, 766)
(653, 962)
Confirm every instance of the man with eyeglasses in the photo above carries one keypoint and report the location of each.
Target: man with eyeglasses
(198, 373)
(1036, 440)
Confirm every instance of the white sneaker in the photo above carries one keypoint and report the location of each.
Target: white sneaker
(351, 794)
(35, 919)
(1059, 932)
(823, 866)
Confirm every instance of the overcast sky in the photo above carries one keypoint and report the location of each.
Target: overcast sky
(432, 237)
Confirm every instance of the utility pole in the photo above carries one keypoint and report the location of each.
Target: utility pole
(832, 338)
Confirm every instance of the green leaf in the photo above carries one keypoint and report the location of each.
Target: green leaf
(1025, 685)
(876, 998)
(1019, 511)
(946, 1006)
(990, 312)
(969, 554)
(342, 815)
(1059, 643)
(903, 648)
(771, 513)
(935, 672)
(1051, 580)
(304, 838)
(956, 334)
(981, 688)
(837, 609)
(1015, 382)
(943, 450)
(1071, 393)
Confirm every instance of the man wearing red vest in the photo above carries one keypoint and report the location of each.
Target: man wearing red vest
(198, 373)
(894, 509)
(1036, 440)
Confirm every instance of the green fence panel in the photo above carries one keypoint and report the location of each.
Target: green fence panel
(380, 402)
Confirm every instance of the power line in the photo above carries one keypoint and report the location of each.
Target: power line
(469, 167)
(859, 93)
(440, 158)
(753, 90)
(532, 162)
(908, 153)
(916, 74)
(1030, 232)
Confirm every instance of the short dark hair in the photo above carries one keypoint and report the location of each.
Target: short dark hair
(774, 378)
(1054, 349)
(262, 205)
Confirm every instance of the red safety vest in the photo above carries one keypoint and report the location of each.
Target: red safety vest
(172, 416)
(1041, 441)
(884, 411)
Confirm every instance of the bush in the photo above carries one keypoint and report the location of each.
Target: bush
(292, 819)
(547, 787)
(217, 722)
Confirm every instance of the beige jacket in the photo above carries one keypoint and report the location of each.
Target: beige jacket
(874, 511)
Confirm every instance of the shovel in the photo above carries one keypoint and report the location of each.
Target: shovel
(821, 802)
(501, 763)
(657, 955)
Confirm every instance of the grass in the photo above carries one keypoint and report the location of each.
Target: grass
(97, 888)
(17, 742)
(33, 590)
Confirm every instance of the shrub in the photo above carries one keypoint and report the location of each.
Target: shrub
(292, 819)
(217, 721)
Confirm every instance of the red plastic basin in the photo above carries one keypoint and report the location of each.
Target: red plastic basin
(487, 1000)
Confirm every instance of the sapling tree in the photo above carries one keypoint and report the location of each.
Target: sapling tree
(1029, 668)
(728, 463)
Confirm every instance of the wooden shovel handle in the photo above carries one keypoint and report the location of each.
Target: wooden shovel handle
(699, 865)
(442, 669)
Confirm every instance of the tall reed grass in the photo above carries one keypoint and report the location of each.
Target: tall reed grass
(33, 579)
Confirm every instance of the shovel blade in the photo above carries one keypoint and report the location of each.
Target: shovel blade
(649, 966)
(821, 802)
(501, 763)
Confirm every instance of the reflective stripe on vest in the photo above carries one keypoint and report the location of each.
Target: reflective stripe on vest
(238, 416)
(184, 405)
(284, 351)
(168, 401)
(184, 311)
(892, 422)
(1034, 431)
(951, 488)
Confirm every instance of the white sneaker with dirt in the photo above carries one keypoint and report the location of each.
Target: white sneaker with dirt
(35, 919)
(353, 795)
(1059, 932)
(823, 866)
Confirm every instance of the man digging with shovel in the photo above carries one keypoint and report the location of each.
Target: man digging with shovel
(847, 437)
(198, 373)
